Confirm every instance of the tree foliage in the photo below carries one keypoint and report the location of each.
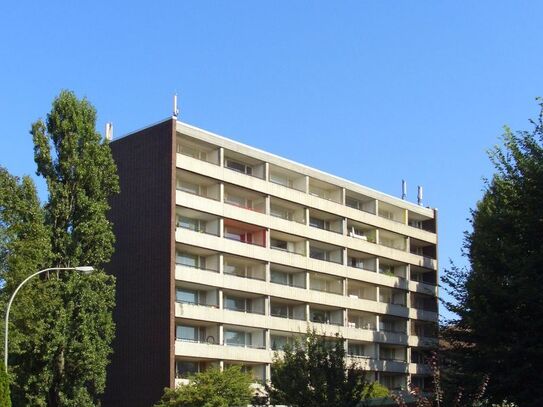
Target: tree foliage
(211, 388)
(314, 372)
(5, 400)
(61, 327)
(498, 299)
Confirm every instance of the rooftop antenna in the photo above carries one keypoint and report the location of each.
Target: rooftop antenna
(109, 131)
(175, 108)
(419, 195)
(404, 189)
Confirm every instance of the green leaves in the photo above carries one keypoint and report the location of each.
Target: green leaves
(62, 325)
(211, 388)
(313, 372)
(499, 299)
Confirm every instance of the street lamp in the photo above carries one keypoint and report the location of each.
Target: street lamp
(81, 269)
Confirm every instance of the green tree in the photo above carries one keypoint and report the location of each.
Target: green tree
(314, 372)
(60, 341)
(498, 299)
(211, 388)
(5, 400)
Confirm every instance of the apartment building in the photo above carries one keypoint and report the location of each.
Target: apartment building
(225, 253)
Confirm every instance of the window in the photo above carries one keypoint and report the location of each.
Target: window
(280, 212)
(318, 254)
(278, 342)
(320, 316)
(237, 338)
(318, 223)
(186, 296)
(279, 244)
(236, 304)
(240, 167)
(191, 188)
(281, 179)
(196, 225)
(279, 277)
(356, 349)
(353, 203)
(387, 353)
(237, 200)
(279, 310)
(191, 152)
(358, 263)
(186, 369)
(190, 260)
(186, 333)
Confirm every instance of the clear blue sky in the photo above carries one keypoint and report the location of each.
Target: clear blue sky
(404, 89)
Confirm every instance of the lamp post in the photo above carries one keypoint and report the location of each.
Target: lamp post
(82, 269)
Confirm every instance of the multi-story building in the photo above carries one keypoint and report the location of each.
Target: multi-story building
(225, 253)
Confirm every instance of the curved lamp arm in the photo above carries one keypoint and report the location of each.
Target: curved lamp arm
(83, 269)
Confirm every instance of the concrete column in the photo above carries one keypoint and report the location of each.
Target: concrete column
(343, 196)
(377, 328)
(377, 236)
(307, 280)
(268, 238)
(267, 305)
(344, 288)
(377, 207)
(267, 339)
(408, 274)
(221, 192)
(221, 227)
(344, 229)
(267, 270)
(408, 355)
(377, 265)
(266, 171)
(221, 263)
(221, 365)
(307, 312)
(406, 217)
(306, 215)
(221, 305)
(377, 294)
(268, 204)
(221, 334)
(408, 244)
(344, 256)
(221, 156)
(306, 184)
(268, 372)
(307, 248)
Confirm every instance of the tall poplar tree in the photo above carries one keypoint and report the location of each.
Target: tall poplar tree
(499, 298)
(60, 340)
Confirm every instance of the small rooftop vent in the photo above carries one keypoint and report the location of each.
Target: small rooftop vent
(109, 131)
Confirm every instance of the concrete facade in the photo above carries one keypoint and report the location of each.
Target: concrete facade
(225, 253)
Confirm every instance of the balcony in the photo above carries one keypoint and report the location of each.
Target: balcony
(245, 268)
(197, 185)
(244, 232)
(360, 202)
(421, 222)
(420, 248)
(287, 210)
(424, 329)
(287, 243)
(194, 332)
(288, 276)
(424, 276)
(391, 212)
(392, 353)
(185, 367)
(325, 190)
(325, 252)
(327, 284)
(424, 302)
(244, 337)
(287, 309)
(279, 340)
(245, 199)
(197, 258)
(287, 178)
(196, 294)
(325, 221)
(197, 149)
(392, 240)
(393, 325)
(360, 350)
(392, 296)
(247, 303)
(361, 260)
(361, 231)
(326, 315)
(361, 320)
(255, 370)
(197, 221)
(357, 289)
(392, 268)
(244, 164)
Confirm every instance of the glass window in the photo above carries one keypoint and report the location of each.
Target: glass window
(317, 223)
(320, 316)
(186, 333)
(279, 277)
(279, 244)
(186, 369)
(237, 166)
(356, 349)
(353, 203)
(237, 338)
(318, 254)
(235, 303)
(278, 342)
(186, 296)
(279, 310)
(188, 187)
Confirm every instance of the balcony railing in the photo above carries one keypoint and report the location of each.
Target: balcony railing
(199, 303)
